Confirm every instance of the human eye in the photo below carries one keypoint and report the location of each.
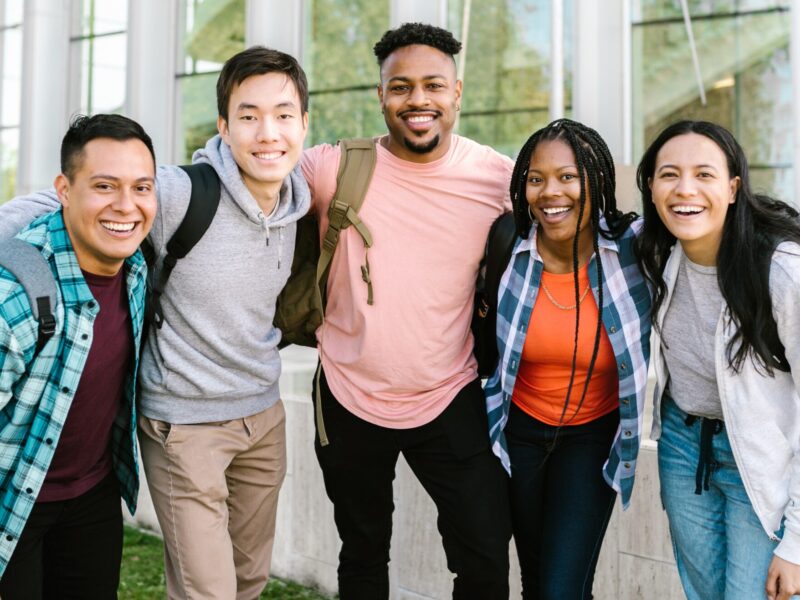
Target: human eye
(705, 175)
(247, 117)
(534, 179)
(435, 86)
(144, 188)
(286, 116)
(568, 177)
(399, 89)
(103, 186)
(667, 175)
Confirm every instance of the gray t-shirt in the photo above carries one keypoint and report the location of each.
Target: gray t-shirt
(688, 339)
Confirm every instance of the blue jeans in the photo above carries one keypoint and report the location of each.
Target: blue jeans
(720, 547)
(560, 503)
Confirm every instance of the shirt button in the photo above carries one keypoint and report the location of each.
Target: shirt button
(29, 491)
(627, 465)
(613, 329)
(84, 336)
(627, 434)
(90, 303)
(513, 364)
(623, 366)
(49, 441)
(625, 401)
(10, 538)
(65, 390)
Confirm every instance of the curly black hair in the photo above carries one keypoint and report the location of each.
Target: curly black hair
(416, 33)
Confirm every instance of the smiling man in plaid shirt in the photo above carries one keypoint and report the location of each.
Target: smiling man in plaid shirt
(67, 414)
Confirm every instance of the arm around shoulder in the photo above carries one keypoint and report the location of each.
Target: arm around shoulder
(17, 213)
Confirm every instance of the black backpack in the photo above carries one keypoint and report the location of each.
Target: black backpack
(301, 303)
(499, 245)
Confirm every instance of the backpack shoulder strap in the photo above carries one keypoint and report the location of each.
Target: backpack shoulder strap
(356, 165)
(202, 207)
(33, 272)
(499, 246)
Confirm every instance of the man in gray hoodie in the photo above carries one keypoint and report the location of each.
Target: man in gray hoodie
(211, 421)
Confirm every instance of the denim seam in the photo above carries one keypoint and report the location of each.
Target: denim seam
(597, 546)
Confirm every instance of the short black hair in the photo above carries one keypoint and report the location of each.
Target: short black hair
(258, 60)
(83, 129)
(409, 34)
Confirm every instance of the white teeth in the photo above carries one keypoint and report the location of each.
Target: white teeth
(420, 119)
(556, 210)
(120, 227)
(268, 155)
(688, 210)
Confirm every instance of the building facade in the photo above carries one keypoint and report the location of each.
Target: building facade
(625, 67)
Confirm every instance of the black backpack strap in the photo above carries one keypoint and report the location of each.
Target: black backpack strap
(499, 246)
(202, 207)
(33, 272)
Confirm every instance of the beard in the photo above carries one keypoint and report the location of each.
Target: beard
(418, 148)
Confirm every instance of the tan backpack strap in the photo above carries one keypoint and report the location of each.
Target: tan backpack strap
(356, 166)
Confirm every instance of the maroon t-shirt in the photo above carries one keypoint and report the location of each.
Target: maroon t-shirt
(83, 456)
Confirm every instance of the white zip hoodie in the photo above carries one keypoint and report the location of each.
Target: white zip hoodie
(761, 413)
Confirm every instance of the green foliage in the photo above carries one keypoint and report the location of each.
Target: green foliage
(142, 576)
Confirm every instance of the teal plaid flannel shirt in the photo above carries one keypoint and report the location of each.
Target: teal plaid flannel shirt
(35, 395)
(626, 317)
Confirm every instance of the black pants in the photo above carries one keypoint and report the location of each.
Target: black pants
(560, 503)
(69, 550)
(452, 460)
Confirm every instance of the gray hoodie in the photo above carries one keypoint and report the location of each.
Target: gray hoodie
(216, 357)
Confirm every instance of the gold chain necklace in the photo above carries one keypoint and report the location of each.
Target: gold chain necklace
(561, 306)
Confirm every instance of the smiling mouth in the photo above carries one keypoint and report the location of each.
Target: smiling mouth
(268, 155)
(556, 210)
(116, 227)
(682, 209)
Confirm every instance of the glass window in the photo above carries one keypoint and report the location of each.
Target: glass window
(213, 31)
(102, 42)
(507, 69)
(10, 94)
(746, 74)
(341, 68)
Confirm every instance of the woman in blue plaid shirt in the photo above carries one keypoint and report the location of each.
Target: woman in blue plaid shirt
(565, 401)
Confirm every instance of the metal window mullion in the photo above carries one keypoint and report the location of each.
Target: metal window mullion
(556, 59)
(794, 52)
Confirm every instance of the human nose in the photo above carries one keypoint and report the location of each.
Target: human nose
(268, 131)
(418, 96)
(551, 188)
(685, 186)
(124, 201)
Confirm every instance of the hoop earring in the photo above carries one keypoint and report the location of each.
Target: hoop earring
(530, 214)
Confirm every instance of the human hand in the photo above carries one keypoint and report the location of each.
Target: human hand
(783, 579)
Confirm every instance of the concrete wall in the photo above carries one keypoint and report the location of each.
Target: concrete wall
(635, 562)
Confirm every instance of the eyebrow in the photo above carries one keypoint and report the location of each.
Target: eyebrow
(424, 77)
(248, 106)
(702, 166)
(564, 168)
(115, 178)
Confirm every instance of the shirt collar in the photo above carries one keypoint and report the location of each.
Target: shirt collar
(529, 244)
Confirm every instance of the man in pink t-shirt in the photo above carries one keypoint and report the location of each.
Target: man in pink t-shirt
(398, 375)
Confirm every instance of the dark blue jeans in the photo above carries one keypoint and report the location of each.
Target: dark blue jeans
(560, 503)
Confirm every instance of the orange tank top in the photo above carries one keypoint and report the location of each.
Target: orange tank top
(543, 377)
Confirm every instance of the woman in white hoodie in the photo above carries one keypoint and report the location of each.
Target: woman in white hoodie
(724, 264)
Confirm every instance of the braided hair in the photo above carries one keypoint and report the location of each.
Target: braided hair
(595, 170)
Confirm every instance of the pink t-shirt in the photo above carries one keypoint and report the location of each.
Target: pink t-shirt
(399, 362)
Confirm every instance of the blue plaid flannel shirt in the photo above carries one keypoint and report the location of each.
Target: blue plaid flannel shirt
(626, 317)
(35, 395)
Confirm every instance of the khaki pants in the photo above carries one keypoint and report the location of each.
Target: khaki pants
(215, 492)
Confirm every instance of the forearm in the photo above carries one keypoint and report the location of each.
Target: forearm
(17, 213)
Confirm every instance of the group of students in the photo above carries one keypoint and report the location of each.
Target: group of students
(710, 270)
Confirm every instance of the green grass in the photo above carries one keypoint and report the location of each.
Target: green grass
(142, 576)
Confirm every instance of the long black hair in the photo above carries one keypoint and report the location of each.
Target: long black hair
(754, 225)
(596, 170)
